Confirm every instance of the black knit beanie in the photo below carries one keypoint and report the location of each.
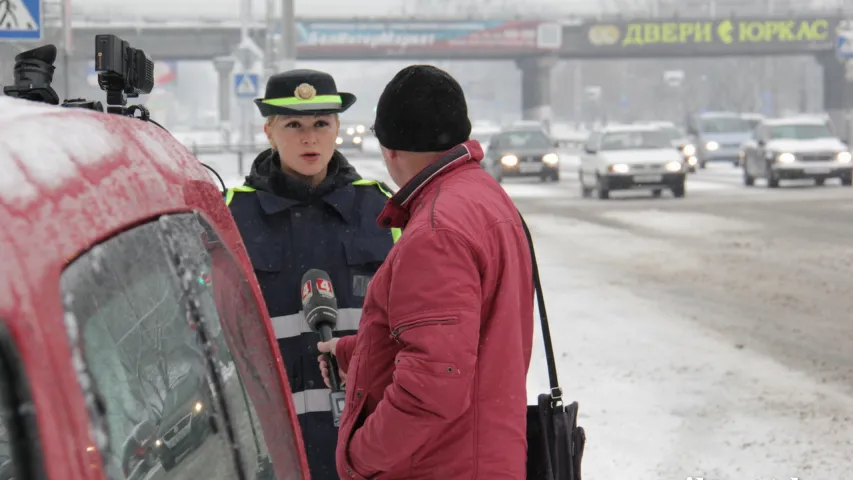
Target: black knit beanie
(422, 109)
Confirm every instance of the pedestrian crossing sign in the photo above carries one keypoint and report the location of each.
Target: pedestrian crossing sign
(21, 20)
(844, 45)
(246, 85)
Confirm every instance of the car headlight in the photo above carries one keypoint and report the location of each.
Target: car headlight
(620, 168)
(551, 159)
(692, 161)
(673, 167)
(356, 140)
(509, 160)
(339, 140)
(359, 129)
(198, 406)
(689, 150)
(350, 131)
(786, 158)
(158, 442)
(711, 146)
(844, 157)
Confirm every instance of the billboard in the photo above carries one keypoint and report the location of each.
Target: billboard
(689, 37)
(408, 37)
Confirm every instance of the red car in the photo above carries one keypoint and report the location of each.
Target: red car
(120, 269)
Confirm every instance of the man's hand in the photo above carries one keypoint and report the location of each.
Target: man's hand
(329, 347)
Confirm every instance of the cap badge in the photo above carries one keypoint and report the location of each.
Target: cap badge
(305, 92)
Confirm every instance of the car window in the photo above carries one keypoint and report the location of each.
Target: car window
(150, 316)
(630, 140)
(724, 125)
(529, 139)
(806, 131)
(671, 133)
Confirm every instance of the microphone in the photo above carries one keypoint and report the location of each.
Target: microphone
(321, 312)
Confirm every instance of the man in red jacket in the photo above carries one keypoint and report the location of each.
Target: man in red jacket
(436, 376)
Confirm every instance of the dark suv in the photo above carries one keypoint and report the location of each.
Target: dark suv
(186, 420)
(522, 152)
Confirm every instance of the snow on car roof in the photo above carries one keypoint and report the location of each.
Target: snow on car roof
(44, 146)
(799, 120)
(70, 176)
(630, 128)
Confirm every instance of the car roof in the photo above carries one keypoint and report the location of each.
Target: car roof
(629, 128)
(82, 175)
(523, 129)
(798, 120)
(657, 123)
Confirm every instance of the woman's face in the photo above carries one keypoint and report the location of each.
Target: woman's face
(305, 144)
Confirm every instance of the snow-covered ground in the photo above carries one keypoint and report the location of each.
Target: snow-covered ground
(661, 398)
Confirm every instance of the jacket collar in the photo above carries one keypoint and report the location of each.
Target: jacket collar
(342, 199)
(399, 207)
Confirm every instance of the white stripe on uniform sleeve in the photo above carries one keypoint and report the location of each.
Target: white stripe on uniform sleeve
(316, 400)
(288, 326)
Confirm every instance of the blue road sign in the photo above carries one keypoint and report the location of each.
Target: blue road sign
(844, 45)
(246, 85)
(21, 20)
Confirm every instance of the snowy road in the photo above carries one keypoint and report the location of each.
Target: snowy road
(710, 336)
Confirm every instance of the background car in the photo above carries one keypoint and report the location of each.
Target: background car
(630, 157)
(718, 136)
(186, 420)
(796, 148)
(351, 136)
(679, 140)
(522, 152)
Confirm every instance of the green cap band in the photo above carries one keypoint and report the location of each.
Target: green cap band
(320, 102)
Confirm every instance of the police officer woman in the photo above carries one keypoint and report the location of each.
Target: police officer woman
(304, 206)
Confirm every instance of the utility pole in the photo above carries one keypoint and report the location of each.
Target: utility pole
(287, 51)
(247, 53)
(67, 35)
(269, 46)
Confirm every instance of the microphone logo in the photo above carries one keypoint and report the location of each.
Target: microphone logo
(324, 288)
(306, 292)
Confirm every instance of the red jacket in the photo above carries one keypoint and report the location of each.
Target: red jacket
(436, 385)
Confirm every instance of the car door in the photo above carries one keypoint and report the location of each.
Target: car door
(21, 456)
(748, 148)
(756, 159)
(589, 159)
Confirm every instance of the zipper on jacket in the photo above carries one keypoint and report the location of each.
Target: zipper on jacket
(395, 335)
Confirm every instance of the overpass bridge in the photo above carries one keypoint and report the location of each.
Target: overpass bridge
(535, 45)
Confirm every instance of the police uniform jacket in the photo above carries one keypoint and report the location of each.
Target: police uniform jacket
(289, 227)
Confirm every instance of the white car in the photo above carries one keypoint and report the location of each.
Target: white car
(796, 148)
(631, 157)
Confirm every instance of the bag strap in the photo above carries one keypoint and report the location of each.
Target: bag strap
(556, 391)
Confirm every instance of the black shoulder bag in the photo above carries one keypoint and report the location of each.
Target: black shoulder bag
(555, 442)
